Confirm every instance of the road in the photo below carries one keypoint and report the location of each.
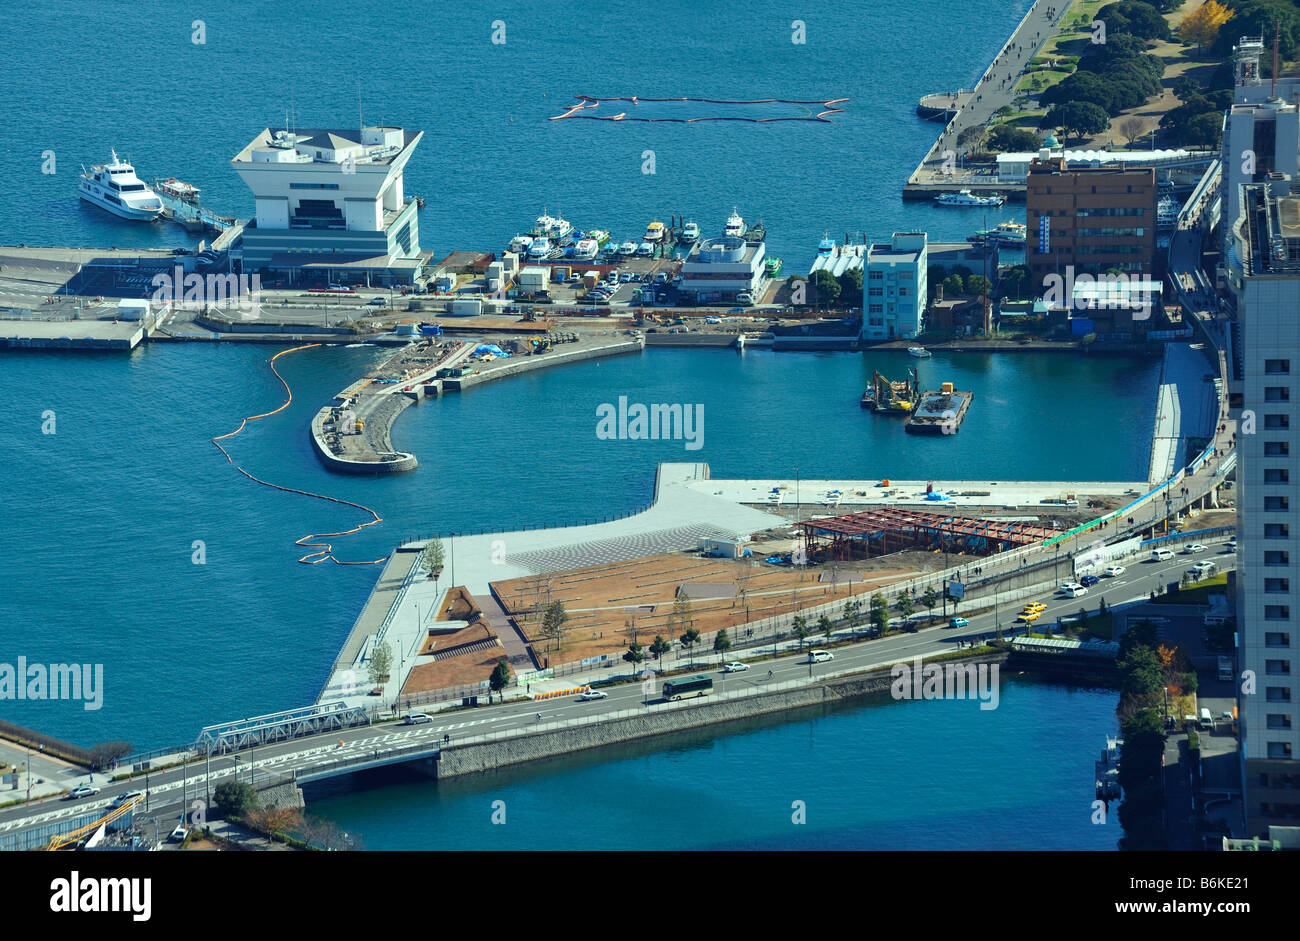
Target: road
(170, 790)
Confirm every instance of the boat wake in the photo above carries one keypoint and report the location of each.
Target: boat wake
(692, 110)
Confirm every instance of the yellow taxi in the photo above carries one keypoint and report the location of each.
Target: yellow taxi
(1028, 617)
(1035, 607)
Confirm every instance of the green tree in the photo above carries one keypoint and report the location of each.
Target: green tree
(930, 598)
(1007, 138)
(1141, 674)
(431, 558)
(879, 613)
(381, 664)
(978, 284)
(233, 799)
(690, 637)
(827, 627)
(827, 287)
(799, 626)
(953, 286)
(851, 285)
(906, 607)
(1013, 279)
(1076, 118)
(659, 646)
(554, 620)
(500, 676)
(635, 654)
(721, 643)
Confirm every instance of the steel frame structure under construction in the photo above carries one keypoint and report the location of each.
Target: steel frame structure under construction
(278, 726)
(880, 532)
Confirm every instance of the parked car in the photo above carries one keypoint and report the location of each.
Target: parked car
(592, 694)
(744, 297)
(82, 790)
(1114, 570)
(736, 667)
(1087, 581)
(958, 622)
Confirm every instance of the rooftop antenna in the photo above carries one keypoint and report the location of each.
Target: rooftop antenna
(1277, 36)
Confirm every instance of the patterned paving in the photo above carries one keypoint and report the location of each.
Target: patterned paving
(618, 549)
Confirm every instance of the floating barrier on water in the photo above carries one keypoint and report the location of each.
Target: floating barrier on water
(324, 549)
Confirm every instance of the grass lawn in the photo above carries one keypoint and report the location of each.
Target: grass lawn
(1199, 593)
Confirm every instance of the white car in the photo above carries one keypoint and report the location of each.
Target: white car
(179, 834)
(1069, 587)
(82, 790)
(737, 667)
(1114, 570)
(592, 694)
(126, 797)
(1205, 566)
(1194, 547)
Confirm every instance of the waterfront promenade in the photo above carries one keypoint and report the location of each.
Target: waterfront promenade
(995, 89)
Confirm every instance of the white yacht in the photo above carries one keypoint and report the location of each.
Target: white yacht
(654, 232)
(586, 250)
(115, 187)
(645, 249)
(967, 198)
(690, 233)
(540, 249)
(919, 352)
(735, 225)
(627, 248)
(520, 243)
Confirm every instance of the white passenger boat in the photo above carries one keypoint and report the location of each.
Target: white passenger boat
(735, 226)
(967, 198)
(586, 250)
(115, 187)
(919, 352)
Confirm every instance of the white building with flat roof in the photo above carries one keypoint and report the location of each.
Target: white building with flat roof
(720, 269)
(894, 288)
(331, 205)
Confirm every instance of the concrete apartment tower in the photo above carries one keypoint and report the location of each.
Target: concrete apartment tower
(1263, 271)
(331, 205)
(1261, 131)
(894, 288)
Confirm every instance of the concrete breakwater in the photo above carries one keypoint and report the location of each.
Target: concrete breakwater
(456, 760)
(516, 365)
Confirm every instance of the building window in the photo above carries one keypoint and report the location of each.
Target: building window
(1277, 612)
(876, 309)
(1277, 586)
(1277, 394)
(902, 292)
(1276, 449)
(875, 276)
(875, 292)
(1279, 720)
(313, 186)
(1274, 557)
(1276, 421)
(1277, 639)
(1279, 749)
(1274, 367)
(1277, 667)
(1277, 504)
(1277, 475)
(1277, 693)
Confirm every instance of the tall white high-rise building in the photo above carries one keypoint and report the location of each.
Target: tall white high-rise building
(1263, 270)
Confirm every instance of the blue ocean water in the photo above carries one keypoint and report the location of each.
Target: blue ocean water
(103, 516)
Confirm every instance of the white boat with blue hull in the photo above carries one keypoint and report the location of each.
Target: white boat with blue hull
(115, 187)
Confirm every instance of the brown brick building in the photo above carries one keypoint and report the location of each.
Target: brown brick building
(1098, 219)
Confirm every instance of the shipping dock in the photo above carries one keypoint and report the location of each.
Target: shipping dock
(940, 412)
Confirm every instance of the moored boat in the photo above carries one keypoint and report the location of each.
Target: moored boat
(115, 187)
(919, 352)
(967, 198)
(772, 267)
(735, 226)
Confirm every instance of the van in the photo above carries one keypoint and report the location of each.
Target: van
(820, 656)
(1074, 591)
(417, 718)
(1161, 555)
(1207, 720)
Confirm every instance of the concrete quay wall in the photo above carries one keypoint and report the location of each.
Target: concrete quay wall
(457, 760)
(382, 417)
(517, 365)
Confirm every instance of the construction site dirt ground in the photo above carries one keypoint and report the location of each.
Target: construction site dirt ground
(605, 603)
